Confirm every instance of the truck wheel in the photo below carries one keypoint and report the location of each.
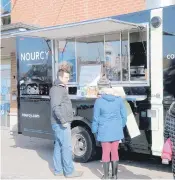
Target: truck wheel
(83, 144)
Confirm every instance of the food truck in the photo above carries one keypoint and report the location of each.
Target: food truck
(133, 53)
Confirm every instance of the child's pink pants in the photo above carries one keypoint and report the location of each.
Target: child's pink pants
(110, 148)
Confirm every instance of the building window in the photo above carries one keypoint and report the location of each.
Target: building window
(5, 12)
(5, 20)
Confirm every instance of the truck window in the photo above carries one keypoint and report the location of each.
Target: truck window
(122, 54)
(67, 55)
(126, 57)
(116, 56)
(138, 56)
(112, 57)
(90, 50)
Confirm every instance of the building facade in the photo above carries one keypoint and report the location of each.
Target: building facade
(54, 12)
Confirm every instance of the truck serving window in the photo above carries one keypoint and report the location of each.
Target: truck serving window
(126, 59)
(123, 56)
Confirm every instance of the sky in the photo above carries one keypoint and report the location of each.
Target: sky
(6, 5)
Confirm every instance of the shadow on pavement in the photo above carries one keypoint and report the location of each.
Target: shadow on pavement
(44, 149)
(130, 159)
(123, 172)
(144, 161)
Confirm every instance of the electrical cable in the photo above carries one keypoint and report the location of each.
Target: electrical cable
(59, 12)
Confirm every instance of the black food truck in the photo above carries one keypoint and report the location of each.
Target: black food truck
(136, 52)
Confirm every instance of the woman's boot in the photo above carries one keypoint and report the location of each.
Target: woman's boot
(106, 170)
(114, 169)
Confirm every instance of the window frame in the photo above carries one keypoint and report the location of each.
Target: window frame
(128, 83)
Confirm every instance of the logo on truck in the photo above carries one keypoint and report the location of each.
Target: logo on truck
(30, 115)
(171, 56)
(34, 56)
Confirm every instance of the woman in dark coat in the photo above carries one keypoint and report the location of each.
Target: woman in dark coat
(169, 132)
(109, 120)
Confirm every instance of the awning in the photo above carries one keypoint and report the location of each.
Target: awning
(8, 45)
(74, 30)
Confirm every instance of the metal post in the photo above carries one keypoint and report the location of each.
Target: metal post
(148, 55)
(53, 59)
(56, 58)
(129, 57)
(104, 69)
(76, 63)
(121, 57)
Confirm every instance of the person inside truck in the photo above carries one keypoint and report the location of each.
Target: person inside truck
(108, 122)
(61, 117)
(169, 132)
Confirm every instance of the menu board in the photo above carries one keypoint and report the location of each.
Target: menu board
(89, 75)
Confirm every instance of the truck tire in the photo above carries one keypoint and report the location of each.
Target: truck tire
(83, 144)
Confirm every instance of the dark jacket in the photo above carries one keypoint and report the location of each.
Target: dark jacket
(61, 106)
(109, 118)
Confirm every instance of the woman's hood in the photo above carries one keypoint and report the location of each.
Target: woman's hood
(109, 97)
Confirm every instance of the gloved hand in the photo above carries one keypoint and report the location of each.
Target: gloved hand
(65, 125)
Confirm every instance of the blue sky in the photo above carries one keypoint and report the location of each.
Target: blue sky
(6, 5)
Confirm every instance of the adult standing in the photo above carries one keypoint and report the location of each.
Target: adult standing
(108, 122)
(61, 117)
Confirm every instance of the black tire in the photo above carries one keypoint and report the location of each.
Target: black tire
(90, 144)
